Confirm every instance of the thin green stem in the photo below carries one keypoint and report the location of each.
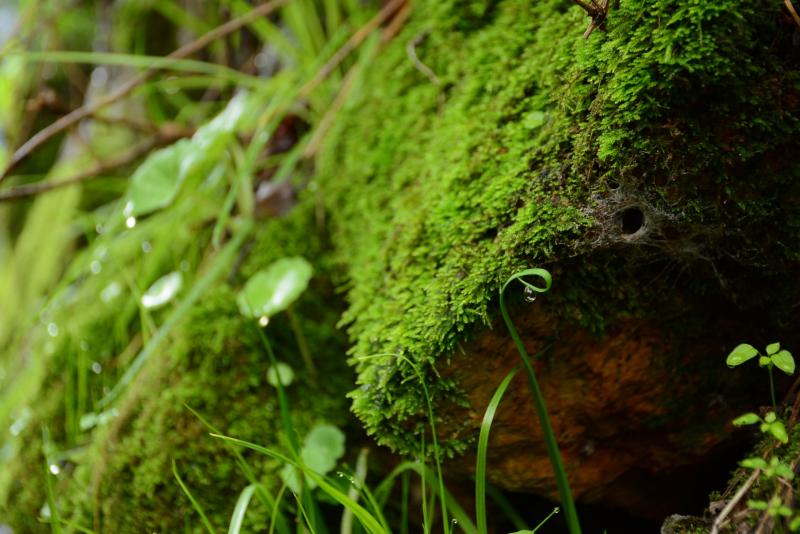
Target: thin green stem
(772, 389)
(570, 512)
(302, 344)
(283, 401)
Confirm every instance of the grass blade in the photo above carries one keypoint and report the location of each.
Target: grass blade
(241, 509)
(366, 519)
(483, 450)
(538, 400)
(194, 502)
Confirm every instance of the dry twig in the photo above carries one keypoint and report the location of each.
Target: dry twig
(137, 151)
(598, 11)
(87, 110)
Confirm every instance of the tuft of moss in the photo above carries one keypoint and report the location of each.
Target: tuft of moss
(680, 110)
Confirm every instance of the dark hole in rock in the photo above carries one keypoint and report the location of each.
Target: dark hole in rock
(632, 220)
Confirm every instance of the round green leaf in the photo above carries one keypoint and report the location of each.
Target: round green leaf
(326, 438)
(156, 182)
(784, 361)
(273, 290)
(283, 371)
(772, 348)
(741, 354)
(162, 291)
(746, 419)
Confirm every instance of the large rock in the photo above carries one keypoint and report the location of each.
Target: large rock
(648, 167)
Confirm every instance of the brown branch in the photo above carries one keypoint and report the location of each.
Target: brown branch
(792, 11)
(134, 153)
(86, 110)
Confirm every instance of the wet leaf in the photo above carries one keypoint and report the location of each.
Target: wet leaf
(741, 354)
(273, 290)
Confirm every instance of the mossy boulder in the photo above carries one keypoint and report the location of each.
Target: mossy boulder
(647, 167)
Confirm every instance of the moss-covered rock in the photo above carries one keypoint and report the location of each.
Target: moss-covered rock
(646, 166)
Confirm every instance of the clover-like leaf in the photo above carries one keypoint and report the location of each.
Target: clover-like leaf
(746, 419)
(772, 348)
(754, 463)
(741, 354)
(162, 291)
(779, 431)
(784, 471)
(273, 290)
(784, 361)
(764, 361)
(757, 504)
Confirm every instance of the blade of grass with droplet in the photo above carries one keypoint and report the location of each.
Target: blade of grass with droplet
(483, 450)
(195, 504)
(55, 519)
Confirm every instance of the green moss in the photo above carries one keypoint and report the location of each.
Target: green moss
(542, 139)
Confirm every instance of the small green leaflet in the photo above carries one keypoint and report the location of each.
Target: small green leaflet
(322, 448)
(741, 354)
(784, 361)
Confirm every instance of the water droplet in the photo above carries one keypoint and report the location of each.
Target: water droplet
(130, 222)
(146, 246)
(530, 294)
(54, 469)
(95, 267)
(52, 329)
(263, 321)
(454, 521)
(97, 368)
(99, 228)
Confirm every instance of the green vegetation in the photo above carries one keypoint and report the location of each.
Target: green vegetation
(240, 223)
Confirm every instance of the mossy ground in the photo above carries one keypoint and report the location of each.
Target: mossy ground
(680, 111)
(118, 476)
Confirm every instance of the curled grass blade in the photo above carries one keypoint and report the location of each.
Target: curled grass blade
(483, 450)
(562, 481)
